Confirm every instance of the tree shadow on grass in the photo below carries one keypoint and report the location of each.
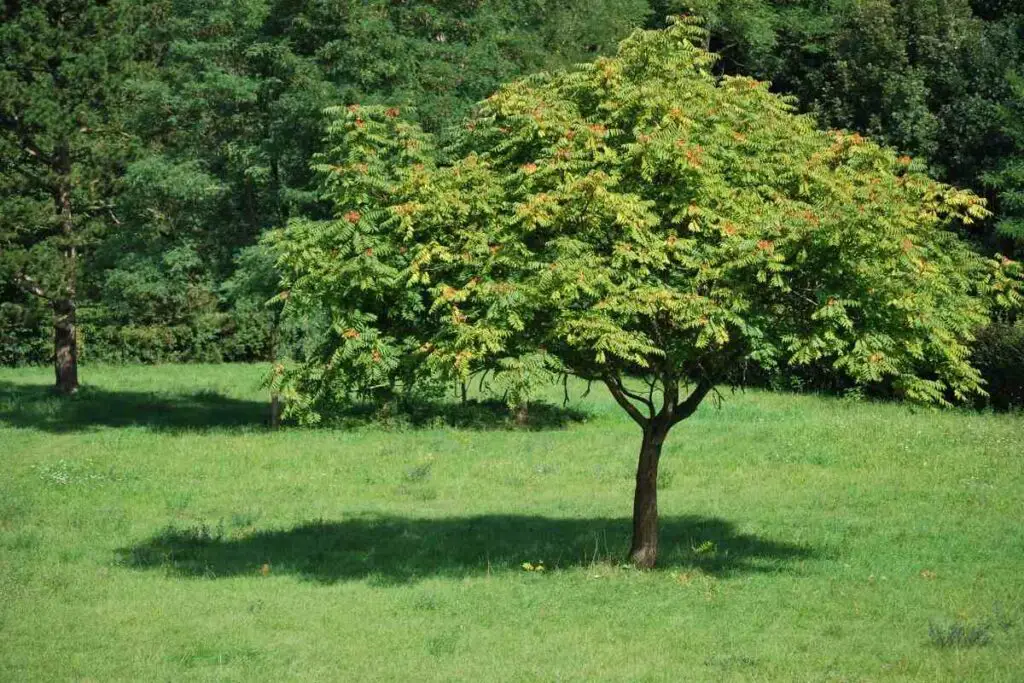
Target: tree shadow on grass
(36, 406)
(481, 415)
(391, 549)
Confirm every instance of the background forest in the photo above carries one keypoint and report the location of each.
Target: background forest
(175, 133)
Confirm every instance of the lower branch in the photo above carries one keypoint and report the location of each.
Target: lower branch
(30, 286)
(619, 394)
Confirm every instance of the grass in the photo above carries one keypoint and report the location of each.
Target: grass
(152, 528)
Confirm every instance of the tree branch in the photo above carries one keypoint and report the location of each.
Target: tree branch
(27, 144)
(636, 397)
(615, 387)
(30, 286)
(689, 406)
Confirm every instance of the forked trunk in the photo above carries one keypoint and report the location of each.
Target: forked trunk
(644, 550)
(656, 425)
(65, 346)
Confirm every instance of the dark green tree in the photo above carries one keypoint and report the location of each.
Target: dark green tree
(1008, 179)
(63, 68)
(232, 114)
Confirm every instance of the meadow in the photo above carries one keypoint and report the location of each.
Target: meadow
(153, 528)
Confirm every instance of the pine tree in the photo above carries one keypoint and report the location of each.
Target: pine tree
(63, 67)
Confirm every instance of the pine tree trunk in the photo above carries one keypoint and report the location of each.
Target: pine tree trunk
(65, 346)
(644, 550)
(65, 336)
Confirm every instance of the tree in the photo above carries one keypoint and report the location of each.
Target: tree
(926, 77)
(640, 223)
(228, 114)
(62, 70)
(1008, 179)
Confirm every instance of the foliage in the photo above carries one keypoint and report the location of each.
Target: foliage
(213, 109)
(636, 217)
(225, 117)
(60, 91)
(927, 77)
(1008, 179)
(254, 326)
(24, 321)
(999, 355)
(245, 85)
(156, 307)
(63, 144)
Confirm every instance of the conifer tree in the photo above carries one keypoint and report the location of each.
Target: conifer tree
(63, 65)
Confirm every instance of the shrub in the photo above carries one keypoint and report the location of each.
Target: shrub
(999, 355)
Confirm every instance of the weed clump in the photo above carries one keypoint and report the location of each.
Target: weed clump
(959, 635)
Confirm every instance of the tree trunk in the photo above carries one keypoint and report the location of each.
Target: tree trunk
(275, 340)
(65, 336)
(523, 414)
(275, 410)
(65, 346)
(644, 550)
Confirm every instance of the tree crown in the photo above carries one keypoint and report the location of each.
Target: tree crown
(634, 217)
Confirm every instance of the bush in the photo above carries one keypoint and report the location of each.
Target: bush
(999, 355)
(25, 332)
(150, 343)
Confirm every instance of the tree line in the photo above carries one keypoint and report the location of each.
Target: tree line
(145, 147)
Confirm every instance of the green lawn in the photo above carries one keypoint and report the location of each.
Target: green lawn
(151, 529)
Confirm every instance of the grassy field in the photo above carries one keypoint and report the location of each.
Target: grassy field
(151, 529)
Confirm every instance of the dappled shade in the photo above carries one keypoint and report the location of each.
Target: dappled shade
(398, 549)
(473, 414)
(36, 406)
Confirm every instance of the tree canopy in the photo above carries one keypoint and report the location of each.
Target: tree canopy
(640, 222)
(927, 77)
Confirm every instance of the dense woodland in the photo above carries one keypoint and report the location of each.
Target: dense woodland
(145, 147)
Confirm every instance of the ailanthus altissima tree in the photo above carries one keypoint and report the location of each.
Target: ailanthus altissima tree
(640, 223)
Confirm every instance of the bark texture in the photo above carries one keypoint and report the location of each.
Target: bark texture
(65, 346)
(644, 549)
(65, 334)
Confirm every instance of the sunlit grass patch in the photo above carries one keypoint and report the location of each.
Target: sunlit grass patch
(160, 536)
